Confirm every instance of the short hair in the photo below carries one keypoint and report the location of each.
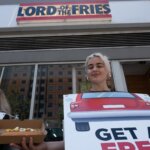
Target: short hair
(100, 55)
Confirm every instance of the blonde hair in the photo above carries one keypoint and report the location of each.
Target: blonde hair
(4, 104)
(103, 57)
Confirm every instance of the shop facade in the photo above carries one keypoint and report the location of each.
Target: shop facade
(39, 62)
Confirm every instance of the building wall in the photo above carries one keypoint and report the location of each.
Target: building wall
(122, 12)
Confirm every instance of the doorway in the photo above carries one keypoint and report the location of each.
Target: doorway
(137, 76)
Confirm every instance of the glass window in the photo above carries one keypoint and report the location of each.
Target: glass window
(16, 92)
(60, 87)
(50, 105)
(60, 80)
(24, 74)
(14, 82)
(50, 96)
(82, 84)
(53, 81)
(108, 95)
(60, 73)
(23, 81)
(69, 73)
(51, 73)
(54, 89)
(69, 79)
(50, 114)
(0, 70)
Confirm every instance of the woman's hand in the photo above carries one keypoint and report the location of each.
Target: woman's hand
(29, 146)
(56, 145)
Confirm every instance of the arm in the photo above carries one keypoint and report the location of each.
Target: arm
(58, 145)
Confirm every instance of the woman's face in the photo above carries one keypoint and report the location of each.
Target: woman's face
(97, 71)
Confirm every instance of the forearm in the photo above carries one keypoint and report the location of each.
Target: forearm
(58, 145)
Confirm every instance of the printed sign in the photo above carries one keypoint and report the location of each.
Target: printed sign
(64, 11)
(107, 121)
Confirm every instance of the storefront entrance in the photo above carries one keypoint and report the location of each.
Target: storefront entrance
(137, 76)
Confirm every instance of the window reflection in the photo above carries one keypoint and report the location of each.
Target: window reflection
(53, 81)
(82, 84)
(52, 84)
(17, 85)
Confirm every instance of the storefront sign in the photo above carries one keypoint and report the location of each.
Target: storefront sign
(64, 11)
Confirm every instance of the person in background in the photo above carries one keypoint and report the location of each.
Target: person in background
(98, 72)
(4, 105)
(5, 113)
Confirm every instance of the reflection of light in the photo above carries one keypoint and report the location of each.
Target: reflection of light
(148, 103)
(74, 105)
(2, 115)
(78, 116)
(113, 106)
(107, 94)
(54, 135)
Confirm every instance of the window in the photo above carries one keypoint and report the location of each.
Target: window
(50, 96)
(52, 82)
(60, 73)
(50, 104)
(60, 80)
(13, 84)
(24, 74)
(23, 81)
(50, 114)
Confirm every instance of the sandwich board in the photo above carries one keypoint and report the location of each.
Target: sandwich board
(129, 130)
